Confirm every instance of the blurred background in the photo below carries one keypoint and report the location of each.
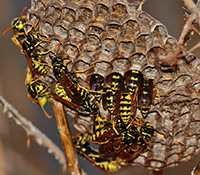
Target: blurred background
(15, 158)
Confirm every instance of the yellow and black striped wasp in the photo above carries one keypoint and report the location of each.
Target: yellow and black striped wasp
(18, 28)
(108, 131)
(115, 81)
(27, 42)
(83, 149)
(112, 95)
(78, 94)
(127, 108)
(119, 143)
(61, 95)
(124, 109)
(32, 53)
(124, 118)
(103, 135)
(146, 132)
(141, 90)
(133, 82)
(38, 91)
(110, 101)
(145, 96)
(103, 131)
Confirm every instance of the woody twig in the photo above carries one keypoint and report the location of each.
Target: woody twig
(66, 138)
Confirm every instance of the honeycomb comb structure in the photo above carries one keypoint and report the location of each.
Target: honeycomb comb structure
(115, 36)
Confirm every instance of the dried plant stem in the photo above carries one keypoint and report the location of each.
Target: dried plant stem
(186, 29)
(65, 135)
(193, 7)
(33, 132)
(191, 18)
(194, 16)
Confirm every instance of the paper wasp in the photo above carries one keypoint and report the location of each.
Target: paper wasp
(61, 95)
(79, 95)
(141, 90)
(112, 95)
(115, 80)
(133, 81)
(103, 135)
(38, 91)
(18, 28)
(109, 100)
(145, 96)
(83, 149)
(32, 53)
(27, 42)
(119, 143)
(122, 108)
(108, 131)
(127, 108)
(146, 131)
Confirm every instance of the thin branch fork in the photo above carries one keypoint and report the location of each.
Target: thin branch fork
(195, 16)
(181, 50)
(193, 8)
(33, 132)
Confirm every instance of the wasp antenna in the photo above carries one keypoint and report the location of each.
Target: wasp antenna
(15, 23)
(32, 27)
(77, 135)
(59, 45)
(7, 30)
(36, 23)
(23, 11)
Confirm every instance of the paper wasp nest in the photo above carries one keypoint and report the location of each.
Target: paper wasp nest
(116, 37)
